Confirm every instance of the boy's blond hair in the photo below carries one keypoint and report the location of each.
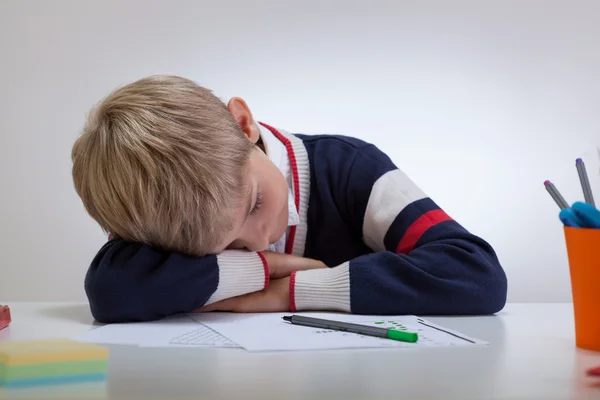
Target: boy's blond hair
(161, 161)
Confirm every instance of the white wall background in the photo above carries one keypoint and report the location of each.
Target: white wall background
(479, 102)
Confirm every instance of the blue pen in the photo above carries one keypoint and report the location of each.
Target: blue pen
(587, 215)
(568, 218)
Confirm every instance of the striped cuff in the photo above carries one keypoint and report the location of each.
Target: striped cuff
(325, 289)
(240, 272)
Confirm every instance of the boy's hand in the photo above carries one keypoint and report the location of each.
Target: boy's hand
(282, 265)
(275, 298)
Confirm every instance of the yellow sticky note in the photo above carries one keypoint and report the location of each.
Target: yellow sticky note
(44, 351)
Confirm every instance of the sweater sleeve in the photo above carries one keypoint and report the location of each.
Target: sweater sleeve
(423, 261)
(128, 282)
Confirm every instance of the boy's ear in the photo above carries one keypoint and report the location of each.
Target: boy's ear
(241, 112)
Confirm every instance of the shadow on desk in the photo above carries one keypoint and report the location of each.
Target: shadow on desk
(79, 313)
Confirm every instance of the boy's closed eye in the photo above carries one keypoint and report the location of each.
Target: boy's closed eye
(257, 204)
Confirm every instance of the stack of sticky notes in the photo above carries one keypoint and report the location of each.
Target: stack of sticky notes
(27, 363)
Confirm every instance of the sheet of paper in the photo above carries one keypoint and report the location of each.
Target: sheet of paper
(177, 330)
(202, 336)
(268, 332)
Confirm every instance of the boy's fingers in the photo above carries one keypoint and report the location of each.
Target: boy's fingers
(245, 303)
(273, 299)
(282, 265)
(273, 263)
(222, 305)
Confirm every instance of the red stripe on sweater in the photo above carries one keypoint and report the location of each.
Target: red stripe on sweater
(292, 292)
(266, 267)
(294, 166)
(418, 228)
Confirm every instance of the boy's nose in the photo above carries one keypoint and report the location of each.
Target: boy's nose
(260, 239)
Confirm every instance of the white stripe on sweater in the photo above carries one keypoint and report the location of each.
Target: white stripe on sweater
(323, 289)
(303, 170)
(278, 154)
(240, 272)
(390, 194)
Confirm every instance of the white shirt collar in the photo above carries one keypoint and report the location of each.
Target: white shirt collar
(278, 154)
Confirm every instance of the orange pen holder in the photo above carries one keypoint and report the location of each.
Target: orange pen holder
(583, 249)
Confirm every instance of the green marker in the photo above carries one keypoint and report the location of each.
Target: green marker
(354, 328)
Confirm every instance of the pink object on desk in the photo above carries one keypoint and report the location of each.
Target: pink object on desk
(595, 371)
(4, 316)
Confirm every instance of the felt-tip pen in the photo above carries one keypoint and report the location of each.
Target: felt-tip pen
(354, 328)
(585, 183)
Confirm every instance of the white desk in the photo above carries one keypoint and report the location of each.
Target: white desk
(531, 356)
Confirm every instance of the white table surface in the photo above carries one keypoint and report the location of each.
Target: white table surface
(532, 355)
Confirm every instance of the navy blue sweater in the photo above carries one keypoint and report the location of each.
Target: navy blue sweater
(390, 249)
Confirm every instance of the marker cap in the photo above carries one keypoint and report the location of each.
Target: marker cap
(402, 336)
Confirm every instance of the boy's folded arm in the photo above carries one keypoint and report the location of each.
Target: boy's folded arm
(447, 276)
(135, 282)
(423, 262)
